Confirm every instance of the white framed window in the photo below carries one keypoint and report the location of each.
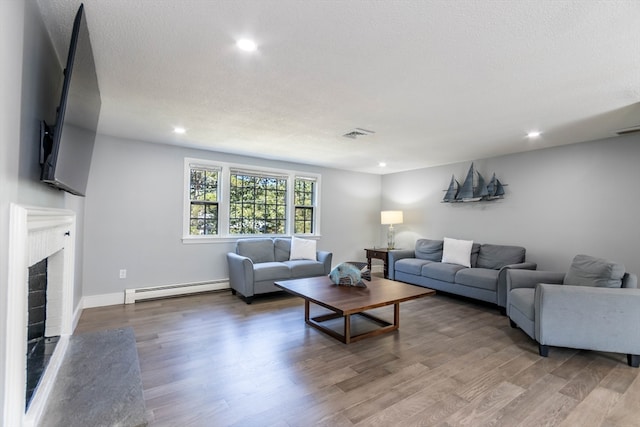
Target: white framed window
(305, 200)
(204, 197)
(224, 201)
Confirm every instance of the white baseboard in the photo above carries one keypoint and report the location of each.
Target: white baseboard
(90, 301)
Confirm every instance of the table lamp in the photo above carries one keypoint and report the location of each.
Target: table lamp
(390, 218)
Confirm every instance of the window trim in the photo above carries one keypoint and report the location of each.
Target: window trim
(225, 169)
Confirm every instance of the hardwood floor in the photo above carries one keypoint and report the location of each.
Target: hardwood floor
(212, 360)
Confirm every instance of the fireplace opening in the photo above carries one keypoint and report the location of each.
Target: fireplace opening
(39, 346)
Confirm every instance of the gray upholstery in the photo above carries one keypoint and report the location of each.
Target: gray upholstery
(259, 262)
(304, 268)
(282, 249)
(441, 271)
(497, 256)
(589, 271)
(270, 271)
(522, 310)
(586, 315)
(484, 280)
(411, 265)
(429, 249)
(257, 250)
(475, 252)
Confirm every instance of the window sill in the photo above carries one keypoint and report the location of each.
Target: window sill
(198, 240)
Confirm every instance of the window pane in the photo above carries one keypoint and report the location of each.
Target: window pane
(203, 192)
(203, 219)
(304, 199)
(304, 220)
(257, 204)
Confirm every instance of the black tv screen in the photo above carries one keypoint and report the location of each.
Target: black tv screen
(67, 147)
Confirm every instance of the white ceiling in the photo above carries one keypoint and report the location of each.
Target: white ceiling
(438, 81)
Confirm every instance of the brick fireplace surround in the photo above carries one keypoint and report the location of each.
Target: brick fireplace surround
(36, 234)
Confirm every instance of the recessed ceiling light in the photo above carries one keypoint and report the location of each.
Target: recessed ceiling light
(246, 45)
(179, 130)
(382, 164)
(533, 134)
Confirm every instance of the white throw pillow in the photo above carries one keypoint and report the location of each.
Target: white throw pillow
(457, 251)
(302, 249)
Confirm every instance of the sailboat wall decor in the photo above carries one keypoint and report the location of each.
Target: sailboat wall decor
(474, 188)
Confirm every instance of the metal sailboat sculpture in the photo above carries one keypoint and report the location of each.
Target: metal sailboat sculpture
(474, 188)
(452, 191)
(495, 188)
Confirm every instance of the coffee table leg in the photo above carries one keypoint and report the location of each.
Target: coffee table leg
(306, 311)
(347, 329)
(396, 315)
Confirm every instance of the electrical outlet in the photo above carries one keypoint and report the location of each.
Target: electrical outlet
(123, 274)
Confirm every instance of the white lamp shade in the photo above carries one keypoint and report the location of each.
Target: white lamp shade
(391, 217)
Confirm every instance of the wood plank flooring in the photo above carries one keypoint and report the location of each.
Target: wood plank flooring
(212, 360)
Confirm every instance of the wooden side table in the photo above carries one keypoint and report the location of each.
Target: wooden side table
(380, 253)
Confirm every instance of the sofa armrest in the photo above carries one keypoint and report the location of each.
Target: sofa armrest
(592, 318)
(502, 279)
(518, 278)
(241, 277)
(393, 256)
(325, 258)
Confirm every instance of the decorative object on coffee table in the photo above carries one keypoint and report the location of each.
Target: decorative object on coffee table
(347, 274)
(390, 218)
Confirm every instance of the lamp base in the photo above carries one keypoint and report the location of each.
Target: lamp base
(391, 238)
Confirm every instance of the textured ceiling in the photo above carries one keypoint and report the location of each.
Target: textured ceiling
(438, 81)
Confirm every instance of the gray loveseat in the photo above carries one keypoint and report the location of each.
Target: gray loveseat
(259, 262)
(484, 280)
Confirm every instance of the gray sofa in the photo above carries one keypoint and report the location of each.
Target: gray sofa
(259, 262)
(484, 280)
(595, 306)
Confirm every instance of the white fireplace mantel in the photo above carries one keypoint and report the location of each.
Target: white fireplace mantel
(36, 233)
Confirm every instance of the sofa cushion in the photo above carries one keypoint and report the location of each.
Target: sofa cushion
(523, 300)
(482, 278)
(475, 251)
(302, 249)
(429, 249)
(304, 268)
(271, 271)
(456, 251)
(497, 256)
(411, 265)
(282, 248)
(590, 271)
(257, 250)
(441, 271)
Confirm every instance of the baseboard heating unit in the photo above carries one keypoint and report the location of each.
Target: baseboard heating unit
(164, 291)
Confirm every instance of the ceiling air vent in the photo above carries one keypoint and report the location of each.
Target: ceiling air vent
(358, 132)
(627, 131)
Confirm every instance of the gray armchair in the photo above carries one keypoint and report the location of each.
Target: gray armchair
(595, 306)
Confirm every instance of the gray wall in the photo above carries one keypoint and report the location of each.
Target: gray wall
(11, 29)
(134, 209)
(579, 198)
(30, 79)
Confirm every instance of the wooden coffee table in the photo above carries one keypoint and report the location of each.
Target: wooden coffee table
(345, 301)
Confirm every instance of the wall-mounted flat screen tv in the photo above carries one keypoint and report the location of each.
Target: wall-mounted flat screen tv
(66, 148)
